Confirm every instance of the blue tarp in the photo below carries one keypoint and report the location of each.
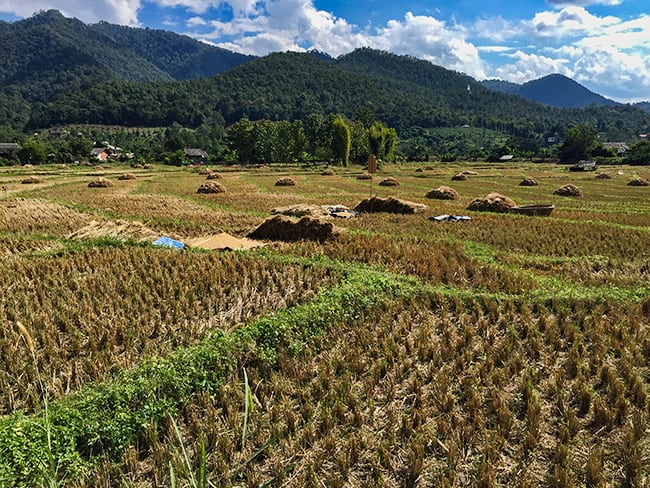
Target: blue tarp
(168, 242)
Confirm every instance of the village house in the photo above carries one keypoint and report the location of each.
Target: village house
(196, 155)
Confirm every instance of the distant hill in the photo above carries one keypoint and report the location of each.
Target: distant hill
(59, 71)
(555, 90)
(181, 57)
(48, 53)
(645, 106)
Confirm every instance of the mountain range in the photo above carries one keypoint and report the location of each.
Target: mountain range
(58, 70)
(554, 89)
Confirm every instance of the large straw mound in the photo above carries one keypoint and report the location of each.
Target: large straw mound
(32, 180)
(568, 190)
(389, 205)
(638, 181)
(214, 176)
(127, 176)
(283, 228)
(301, 210)
(364, 176)
(211, 187)
(459, 177)
(529, 182)
(328, 172)
(100, 182)
(390, 181)
(492, 202)
(286, 181)
(443, 193)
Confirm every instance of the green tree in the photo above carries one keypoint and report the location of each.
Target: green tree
(639, 153)
(341, 140)
(33, 152)
(240, 139)
(382, 141)
(579, 143)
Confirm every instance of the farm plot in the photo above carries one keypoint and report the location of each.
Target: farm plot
(503, 350)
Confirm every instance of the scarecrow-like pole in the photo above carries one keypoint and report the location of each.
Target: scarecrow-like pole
(372, 169)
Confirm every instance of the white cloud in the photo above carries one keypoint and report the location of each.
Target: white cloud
(117, 11)
(428, 38)
(526, 67)
(194, 21)
(570, 21)
(582, 3)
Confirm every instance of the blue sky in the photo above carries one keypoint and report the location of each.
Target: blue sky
(602, 44)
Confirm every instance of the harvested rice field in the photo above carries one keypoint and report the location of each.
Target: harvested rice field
(154, 335)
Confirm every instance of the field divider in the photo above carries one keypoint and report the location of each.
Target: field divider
(63, 440)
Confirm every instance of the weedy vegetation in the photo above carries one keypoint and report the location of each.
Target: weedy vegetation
(504, 350)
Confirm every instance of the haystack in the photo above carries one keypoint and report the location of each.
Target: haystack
(301, 210)
(283, 228)
(459, 177)
(137, 166)
(214, 176)
(100, 182)
(638, 181)
(211, 187)
(32, 180)
(569, 190)
(467, 172)
(148, 166)
(492, 202)
(328, 172)
(118, 229)
(127, 176)
(364, 176)
(389, 205)
(286, 181)
(390, 181)
(443, 193)
(603, 176)
(529, 182)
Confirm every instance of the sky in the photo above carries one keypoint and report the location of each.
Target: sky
(602, 44)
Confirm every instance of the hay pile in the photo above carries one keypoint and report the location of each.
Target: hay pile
(137, 166)
(638, 181)
(100, 182)
(205, 171)
(443, 193)
(389, 205)
(419, 170)
(301, 210)
(459, 177)
(467, 172)
(224, 241)
(32, 180)
(328, 172)
(148, 166)
(492, 202)
(286, 181)
(283, 228)
(120, 229)
(390, 181)
(127, 176)
(364, 176)
(211, 187)
(568, 190)
(529, 182)
(603, 176)
(214, 176)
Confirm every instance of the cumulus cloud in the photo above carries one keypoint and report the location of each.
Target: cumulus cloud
(117, 11)
(582, 3)
(569, 21)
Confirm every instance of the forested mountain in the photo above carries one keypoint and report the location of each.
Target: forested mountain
(555, 90)
(48, 54)
(60, 71)
(181, 57)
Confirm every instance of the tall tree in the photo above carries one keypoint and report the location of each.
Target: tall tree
(579, 143)
(341, 140)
